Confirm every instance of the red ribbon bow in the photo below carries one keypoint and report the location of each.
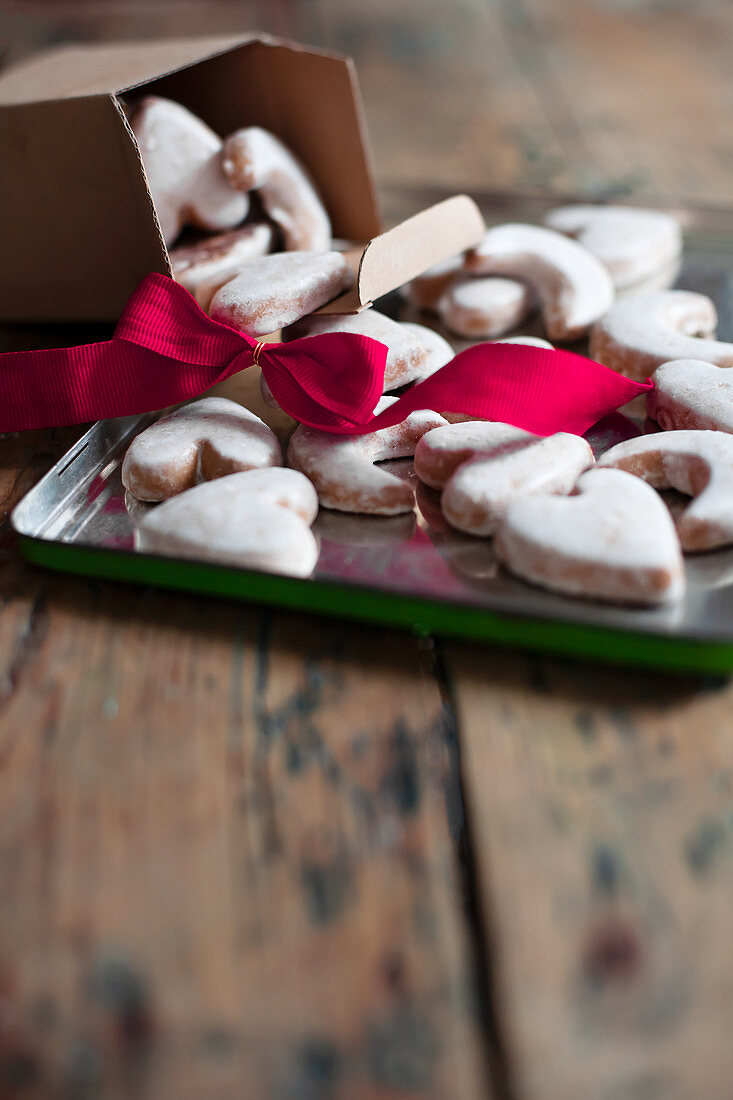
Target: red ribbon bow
(165, 350)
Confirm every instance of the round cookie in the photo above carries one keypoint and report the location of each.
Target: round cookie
(481, 308)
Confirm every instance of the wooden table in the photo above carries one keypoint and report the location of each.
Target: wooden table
(258, 855)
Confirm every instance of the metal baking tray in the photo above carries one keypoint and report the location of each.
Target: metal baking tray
(407, 571)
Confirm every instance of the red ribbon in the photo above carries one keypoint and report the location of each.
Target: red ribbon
(165, 349)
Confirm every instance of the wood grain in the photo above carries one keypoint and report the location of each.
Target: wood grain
(600, 807)
(229, 859)
(575, 96)
(227, 842)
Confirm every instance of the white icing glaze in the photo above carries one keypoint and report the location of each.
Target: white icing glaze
(274, 291)
(205, 266)
(483, 307)
(642, 331)
(699, 463)
(614, 540)
(634, 244)
(478, 494)
(574, 287)
(182, 160)
(441, 451)
(259, 519)
(255, 159)
(204, 440)
(689, 393)
(439, 352)
(406, 356)
(343, 470)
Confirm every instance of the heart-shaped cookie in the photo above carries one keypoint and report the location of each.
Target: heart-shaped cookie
(259, 519)
(273, 291)
(613, 540)
(698, 463)
(202, 441)
(689, 393)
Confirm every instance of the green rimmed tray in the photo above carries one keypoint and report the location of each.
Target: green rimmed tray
(408, 572)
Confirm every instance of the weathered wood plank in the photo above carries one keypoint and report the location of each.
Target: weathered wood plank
(226, 857)
(600, 808)
(582, 96)
(635, 94)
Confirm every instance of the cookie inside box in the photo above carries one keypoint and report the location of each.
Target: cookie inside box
(76, 251)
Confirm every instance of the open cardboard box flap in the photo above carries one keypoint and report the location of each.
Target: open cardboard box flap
(408, 249)
(77, 219)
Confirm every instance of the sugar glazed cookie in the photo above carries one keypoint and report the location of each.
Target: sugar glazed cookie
(255, 159)
(613, 540)
(698, 463)
(483, 467)
(202, 441)
(437, 349)
(481, 308)
(574, 288)
(442, 450)
(259, 519)
(343, 469)
(205, 266)
(641, 332)
(691, 394)
(274, 291)
(633, 243)
(182, 160)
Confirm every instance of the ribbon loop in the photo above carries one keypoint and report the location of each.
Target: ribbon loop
(166, 350)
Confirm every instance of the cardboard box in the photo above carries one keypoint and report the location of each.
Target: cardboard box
(77, 221)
